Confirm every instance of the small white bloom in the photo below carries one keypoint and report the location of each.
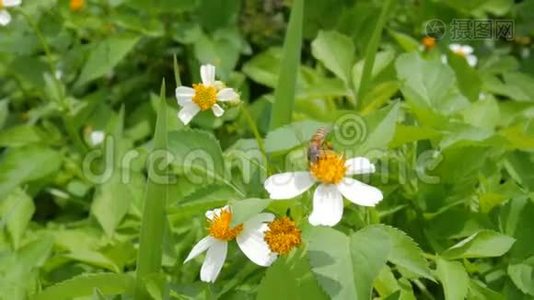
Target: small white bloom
(5, 17)
(465, 51)
(331, 170)
(97, 137)
(249, 237)
(203, 96)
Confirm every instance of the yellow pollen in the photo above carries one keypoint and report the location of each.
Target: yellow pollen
(205, 96)
(283, 235)
(76, 5)
(329, 168)
(219, 226)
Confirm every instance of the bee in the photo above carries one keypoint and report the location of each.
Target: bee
(318, 144)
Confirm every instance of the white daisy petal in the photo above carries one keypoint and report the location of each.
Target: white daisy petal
(227, 94)
(184, 94)
(455, 47)
(251, 241)
(359, 165)
(200, 247)
(5, 17)
(472, 60)
(217, 211)
(217, 110)
(288, 185)
(11, 3)
(214, 261)
(359, 192)
(327, 206)
(466, 49)
(187, 112)
(207, 73)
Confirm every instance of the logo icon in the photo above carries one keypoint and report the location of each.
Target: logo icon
(435, 28)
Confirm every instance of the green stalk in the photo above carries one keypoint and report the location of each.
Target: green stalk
(153, 223)
(370, 52)
(257, 135)
(284, 94)
(176, 69)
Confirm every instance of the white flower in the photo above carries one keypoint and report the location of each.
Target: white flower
(203, 96)
(249, 237)
(5, 17)
(331, 171)
(97, 137)
(466, 51)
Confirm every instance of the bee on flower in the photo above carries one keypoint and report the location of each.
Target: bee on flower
(248, 235)
(464, 51)
(332, 172)
(5, 16)
(203, 96)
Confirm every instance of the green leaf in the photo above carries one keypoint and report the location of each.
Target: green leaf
(485, 243)
(264, 67)
(429, 84)
(4, 112)
(363, 134)
(372, 47)
(469, 81)
(406, 42)
(17, 210)
(155, 201)
(242, 210)
(97, 295)
(203, 199)
(404, 251)
(112, 199)
(284, 93)
(335, 51)
(176, 70)
(221, 49)
(105, 56)
(479, 291)
(111, 203)
(19, 136)
(84, 285)
(519, 166)
(20, 165)
(346, 266)
(453, 277)
(290, 278)
(522, 275)
(382, 60)
(197, 154)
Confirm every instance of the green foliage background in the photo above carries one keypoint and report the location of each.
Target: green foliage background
(453, 147)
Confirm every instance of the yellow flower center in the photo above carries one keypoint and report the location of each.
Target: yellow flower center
(282, 236)
(76, 5)
(219, 226)
(1, 4)
(205, 96)
(329, 168)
